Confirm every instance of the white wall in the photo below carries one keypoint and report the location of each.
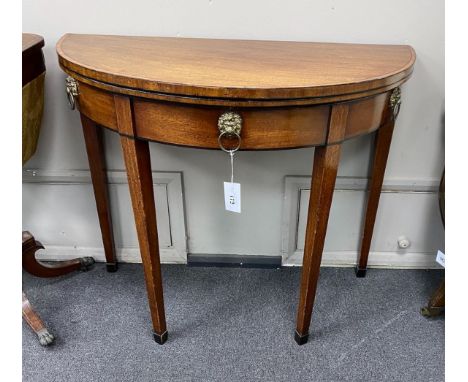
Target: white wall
(416, 157)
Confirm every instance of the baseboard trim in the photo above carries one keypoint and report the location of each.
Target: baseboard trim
(392, 260)
(124, 255)
(233, 261)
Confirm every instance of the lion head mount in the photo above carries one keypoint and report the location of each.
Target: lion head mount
(230, 123)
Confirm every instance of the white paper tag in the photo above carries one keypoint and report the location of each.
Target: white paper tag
(440, 258)
(232, 197)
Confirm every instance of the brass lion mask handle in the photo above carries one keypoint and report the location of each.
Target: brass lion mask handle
(229, 126)
(230, 123)
(395, 102)
(72, 91)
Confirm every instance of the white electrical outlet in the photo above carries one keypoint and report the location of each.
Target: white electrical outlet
(403, 242)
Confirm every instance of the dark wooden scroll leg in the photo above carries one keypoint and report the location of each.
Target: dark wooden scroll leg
(36, 324)
(137, 161)
(95, 149)
(57, 268)
(383, 139)
(436, 304)
(325, 168)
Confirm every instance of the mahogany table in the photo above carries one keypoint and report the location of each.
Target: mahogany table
(260, 94)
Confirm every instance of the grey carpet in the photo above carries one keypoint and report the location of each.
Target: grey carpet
(229, 324)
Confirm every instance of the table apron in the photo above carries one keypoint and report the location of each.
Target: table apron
(263, 128)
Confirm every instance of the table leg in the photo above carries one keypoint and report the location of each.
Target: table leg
(57, 268)
(95, 149)
(436, 304)
(137, 161)
(325, 168)
(382, 142)
(36, 324)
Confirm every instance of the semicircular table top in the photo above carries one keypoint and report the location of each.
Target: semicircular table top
(239, 69)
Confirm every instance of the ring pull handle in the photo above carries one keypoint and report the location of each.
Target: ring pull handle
(229, 126)
(72, 91)
(225, 134)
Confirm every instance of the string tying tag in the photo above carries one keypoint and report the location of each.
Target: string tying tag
(232, 197)
(232, 191)
(231, 154)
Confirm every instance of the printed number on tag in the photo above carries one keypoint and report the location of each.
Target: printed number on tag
(441, 258)
(232, 197)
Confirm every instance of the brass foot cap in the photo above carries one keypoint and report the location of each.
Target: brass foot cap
(361, 272)
(160, 338)
(111, 267)
(301, 339)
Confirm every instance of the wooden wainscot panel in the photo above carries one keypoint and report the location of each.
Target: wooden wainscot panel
(366, 115)
(97, 105)
(262, 129)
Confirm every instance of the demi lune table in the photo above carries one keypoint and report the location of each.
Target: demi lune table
(262, 95)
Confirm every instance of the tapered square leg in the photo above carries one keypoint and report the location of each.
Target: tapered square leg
(383, 139)
(137, 161)
(326, 161)
(95, 150)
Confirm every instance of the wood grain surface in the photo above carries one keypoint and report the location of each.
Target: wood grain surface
(33, 64)
(325, 168)
(382, 141)
(235, 68)
(140, 182)
(32, 41)
(262, 129)
(97, 166)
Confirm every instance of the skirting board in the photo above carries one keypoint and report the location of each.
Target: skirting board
(124, 255)
(330, 259)
(411, 260)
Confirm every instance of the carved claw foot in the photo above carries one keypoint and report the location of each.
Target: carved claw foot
(45, 337)
(432, 311)
(54, 269)
(86, 263)
(436, 304)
